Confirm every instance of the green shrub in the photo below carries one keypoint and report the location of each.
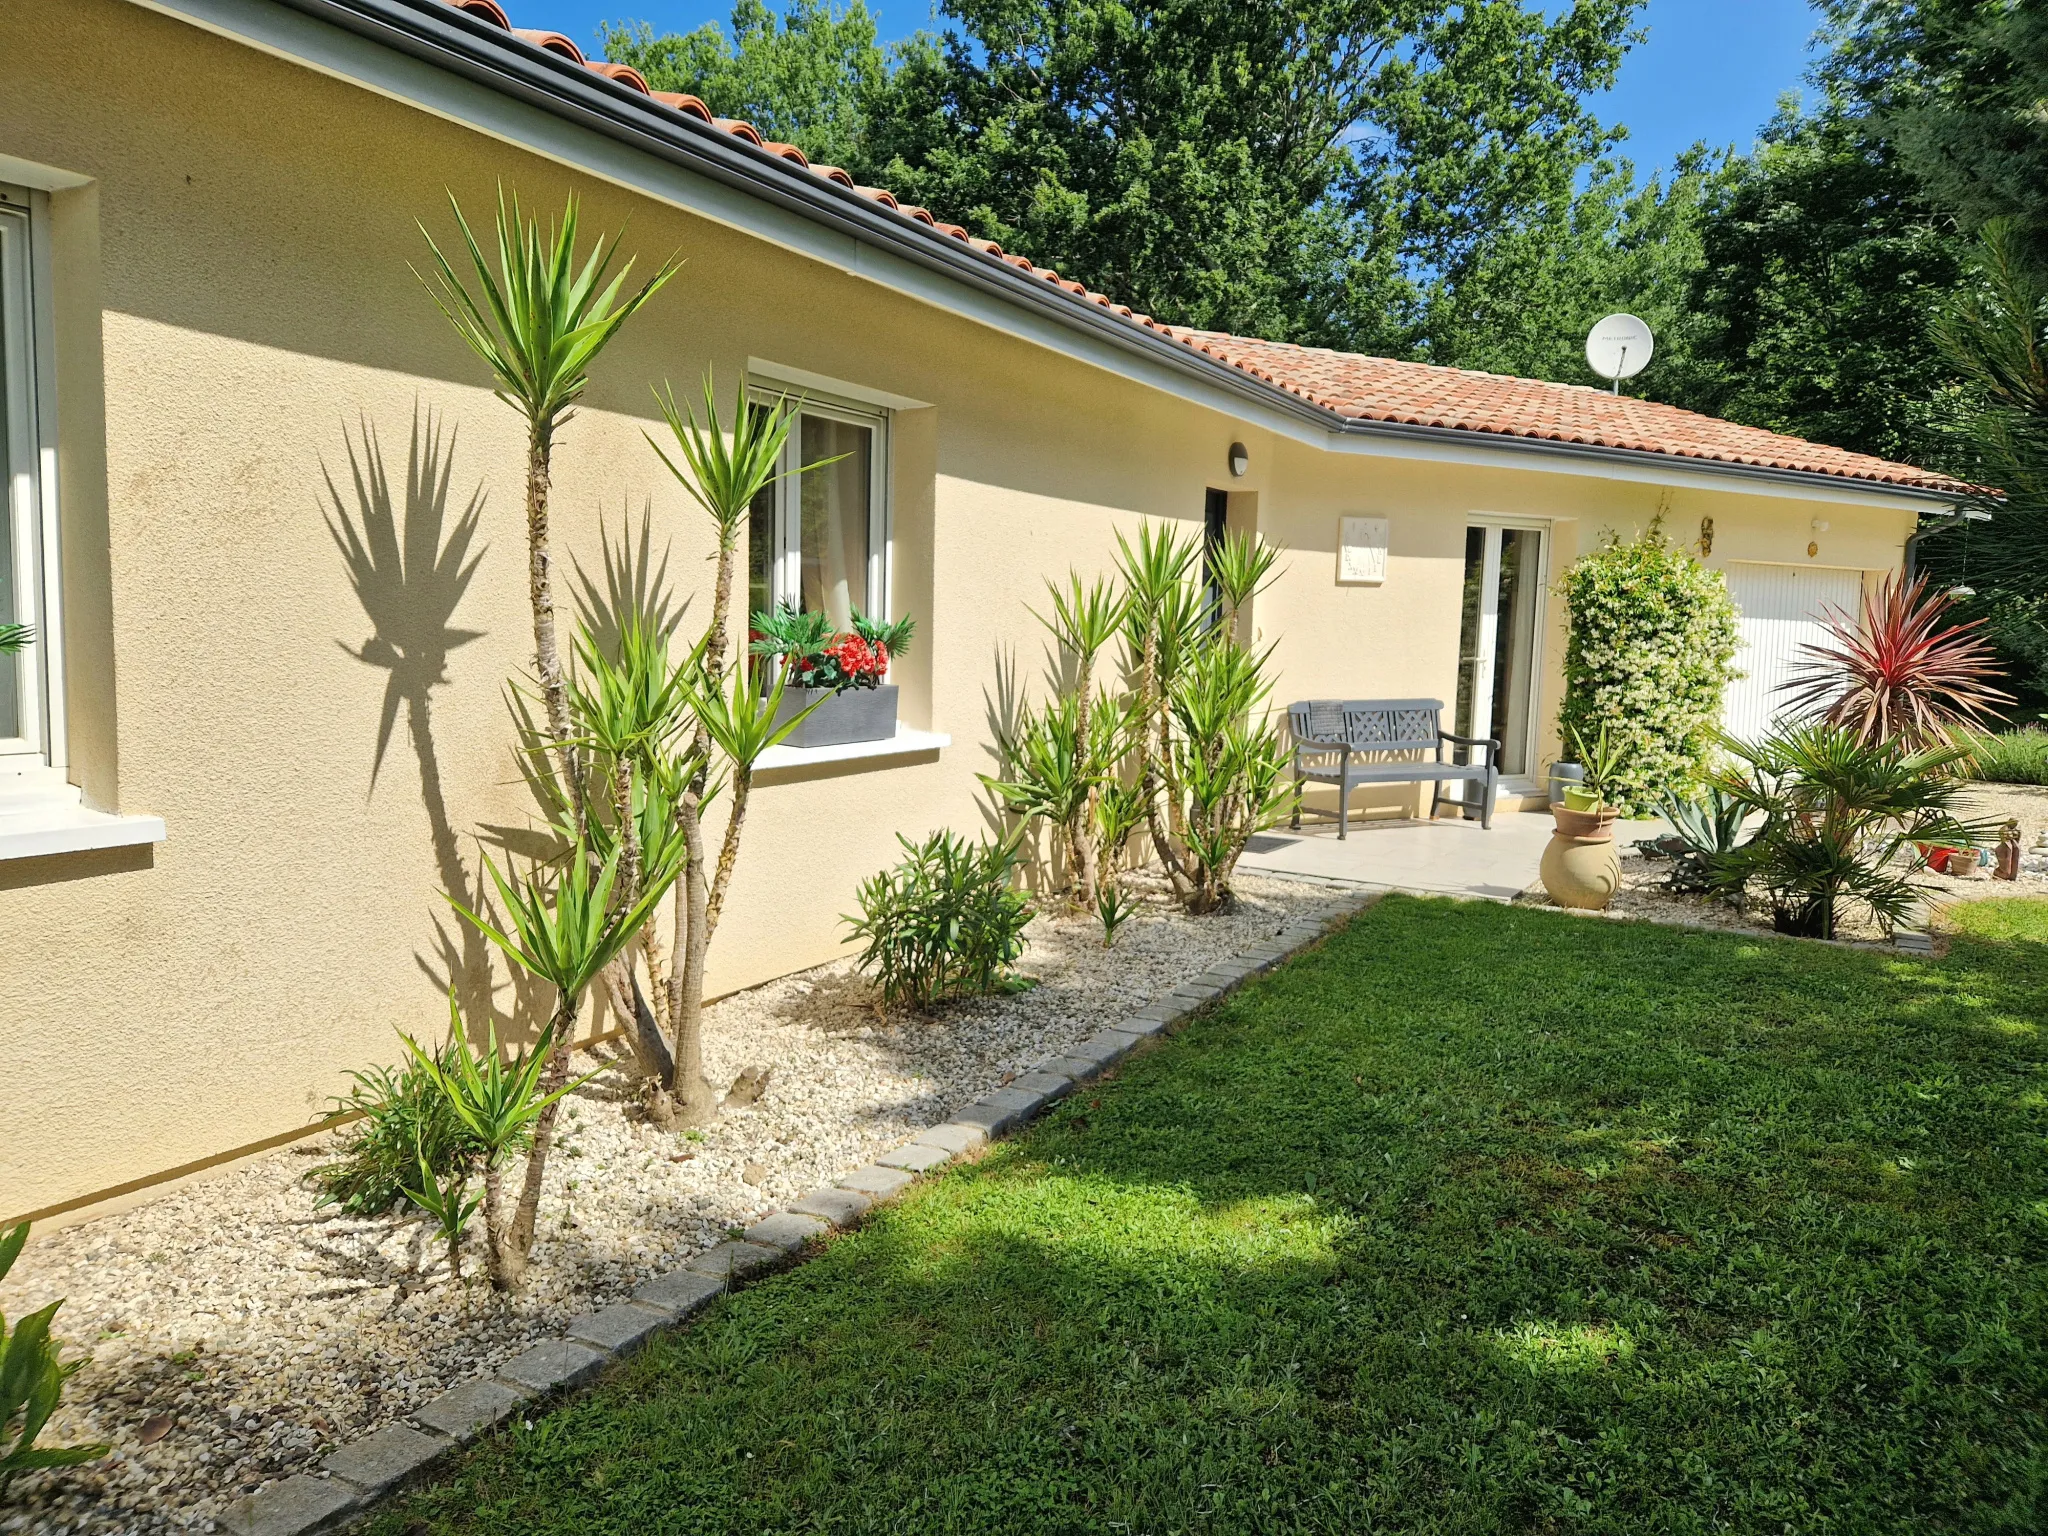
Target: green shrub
(31, 1382)
(406, 1120)
(944, 921)
(2011, 757)
(1648, 656)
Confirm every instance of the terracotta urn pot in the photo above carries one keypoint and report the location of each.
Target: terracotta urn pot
(1581, 864)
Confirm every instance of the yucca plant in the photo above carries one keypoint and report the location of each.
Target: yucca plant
(1049, 771)
(31, 1383)
(1162, 619)
(538, 319)
(722, 468)
(1900, 671)
(504, 1106)
(564, 928)
(1083, 621)
(1842, 816)
(15, 637)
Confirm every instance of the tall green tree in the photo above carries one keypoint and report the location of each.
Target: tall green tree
(811, 77)
(1958, 88)
(1823, 268)
(1310, 172)
(1524, 300)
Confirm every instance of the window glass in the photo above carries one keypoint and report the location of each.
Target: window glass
(833, 574)
(12, 396)
(761, 553)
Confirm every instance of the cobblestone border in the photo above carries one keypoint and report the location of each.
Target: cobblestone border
(364, 1471)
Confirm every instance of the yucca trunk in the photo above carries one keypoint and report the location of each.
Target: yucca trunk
(540, 589)
(1152, 780)
(697, 898)
(1081, 825)
(507, 1269)
(516, 1247)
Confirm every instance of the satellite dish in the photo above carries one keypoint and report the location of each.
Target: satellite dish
(1618, 348)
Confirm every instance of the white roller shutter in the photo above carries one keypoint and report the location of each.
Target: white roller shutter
(1780, 608)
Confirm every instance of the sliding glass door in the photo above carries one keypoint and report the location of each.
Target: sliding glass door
(1499, 643)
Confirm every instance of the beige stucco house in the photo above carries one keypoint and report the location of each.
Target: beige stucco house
(265, 514)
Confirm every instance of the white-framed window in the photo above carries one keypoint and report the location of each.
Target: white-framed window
(818, 541)
(31, 698)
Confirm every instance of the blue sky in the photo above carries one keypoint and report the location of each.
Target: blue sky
(1711, 69)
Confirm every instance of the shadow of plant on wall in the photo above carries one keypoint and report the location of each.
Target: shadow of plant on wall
(411, 569)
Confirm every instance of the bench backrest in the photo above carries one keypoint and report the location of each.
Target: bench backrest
(1369, 725)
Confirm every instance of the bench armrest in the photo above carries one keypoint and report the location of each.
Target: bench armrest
(1491, 743)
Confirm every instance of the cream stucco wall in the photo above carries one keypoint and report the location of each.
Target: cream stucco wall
(244, 359)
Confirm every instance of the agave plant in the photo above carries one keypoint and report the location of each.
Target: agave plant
(1901, 672)
(1842, 816)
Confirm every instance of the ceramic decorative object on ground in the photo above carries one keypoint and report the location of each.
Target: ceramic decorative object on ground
(1581, 863)
(846, 715)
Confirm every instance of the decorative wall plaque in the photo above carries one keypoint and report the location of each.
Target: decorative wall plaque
(1362, 550)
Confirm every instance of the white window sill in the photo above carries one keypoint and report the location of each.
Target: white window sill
(39, 818)
(905, 743)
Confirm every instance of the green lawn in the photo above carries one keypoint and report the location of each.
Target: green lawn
(1474, 1219)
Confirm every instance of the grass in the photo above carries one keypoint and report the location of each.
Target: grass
(2011, 757)
(1472, 1220)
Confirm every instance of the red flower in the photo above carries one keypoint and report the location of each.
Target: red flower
(859, 658)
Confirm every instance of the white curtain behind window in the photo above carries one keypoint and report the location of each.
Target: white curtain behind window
(834, 503)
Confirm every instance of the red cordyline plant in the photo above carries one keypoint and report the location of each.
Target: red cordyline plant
(1901, 673)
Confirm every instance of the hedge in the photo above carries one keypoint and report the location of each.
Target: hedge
(1649, 655)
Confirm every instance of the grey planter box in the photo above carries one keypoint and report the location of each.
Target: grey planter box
(855, 714)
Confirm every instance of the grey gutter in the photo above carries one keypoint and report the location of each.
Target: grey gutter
(452, 40)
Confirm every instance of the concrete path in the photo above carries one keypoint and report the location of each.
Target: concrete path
(1442, 858)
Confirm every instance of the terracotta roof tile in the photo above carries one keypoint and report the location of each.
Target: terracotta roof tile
(1458, 399)
(1348, 384)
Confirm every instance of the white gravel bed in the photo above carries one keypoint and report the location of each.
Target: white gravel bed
(237, 1334)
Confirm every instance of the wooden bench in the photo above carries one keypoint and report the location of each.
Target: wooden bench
(1348, 742)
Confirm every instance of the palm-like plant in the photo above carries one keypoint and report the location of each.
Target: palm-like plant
(1083, 621)
(539, 319)
(501, 1104)
(15, 637)
(565, 927)
(1841, 815)
(723, 469)
(1901, 672)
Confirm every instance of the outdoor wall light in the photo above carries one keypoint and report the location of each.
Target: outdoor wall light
(1240, 461)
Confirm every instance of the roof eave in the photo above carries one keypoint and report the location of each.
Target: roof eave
(1637, 457)
(445, 38)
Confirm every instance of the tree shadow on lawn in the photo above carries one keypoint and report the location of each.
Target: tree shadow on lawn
(1471, 1220)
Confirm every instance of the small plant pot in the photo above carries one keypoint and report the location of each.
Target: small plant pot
(1564, 775)
(1584, 824)
(845, 715)
(1937, 858)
